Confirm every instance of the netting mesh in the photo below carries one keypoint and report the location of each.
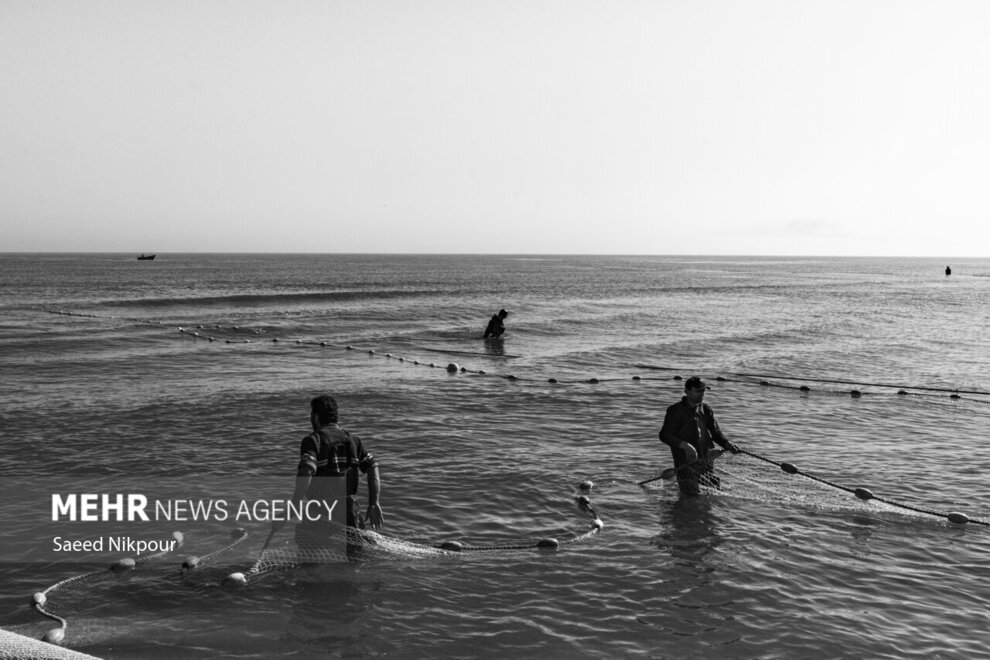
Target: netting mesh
(328, 542)
(753, 477)
(745, 477)
(19, 647)
(333, 543)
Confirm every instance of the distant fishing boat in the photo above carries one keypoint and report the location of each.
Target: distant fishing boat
(146, 257)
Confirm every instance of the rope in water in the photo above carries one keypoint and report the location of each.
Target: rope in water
(852, 382)
(56, 635)
(866, 494)
(453, 368)
(583, 502)
(762, 379)
(193, 562)
(264, 564)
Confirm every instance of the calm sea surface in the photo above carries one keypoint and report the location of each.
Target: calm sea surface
(100, 382)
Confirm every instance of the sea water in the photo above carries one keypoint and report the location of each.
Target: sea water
(200, 368)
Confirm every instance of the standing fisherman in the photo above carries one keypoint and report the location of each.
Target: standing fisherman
(330, 451)
(690, 430)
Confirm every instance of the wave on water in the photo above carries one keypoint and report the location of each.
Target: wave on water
(480, 456)
(269, 299)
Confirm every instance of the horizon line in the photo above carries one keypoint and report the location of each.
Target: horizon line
(502, 254)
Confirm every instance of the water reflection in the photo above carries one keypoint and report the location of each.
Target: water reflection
(688, 530)
(691, 598)
(495, 346)
(329, 607)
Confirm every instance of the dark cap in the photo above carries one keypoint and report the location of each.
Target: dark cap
(502, 312)
(695, 383)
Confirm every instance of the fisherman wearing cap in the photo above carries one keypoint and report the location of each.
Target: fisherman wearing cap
(690, 430)
(495, 326)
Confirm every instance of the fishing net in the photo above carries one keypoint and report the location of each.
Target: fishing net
(13, 645)
(335, 543)
(750, 476)
(19, 647)
(326, 542)
(306, 543)
(746, 477)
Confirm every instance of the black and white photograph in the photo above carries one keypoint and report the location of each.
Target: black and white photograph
(469, 329)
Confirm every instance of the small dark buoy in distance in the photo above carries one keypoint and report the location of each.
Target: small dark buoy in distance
(855, 394)
(453, 546)
(789, 468)
(958, 518)
(548, 544)
(863, 493)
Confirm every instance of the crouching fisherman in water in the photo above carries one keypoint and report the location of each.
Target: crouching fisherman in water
(496, 325)
(330, 451)
(690, 430)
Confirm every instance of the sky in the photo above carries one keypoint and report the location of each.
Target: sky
(727, 127)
